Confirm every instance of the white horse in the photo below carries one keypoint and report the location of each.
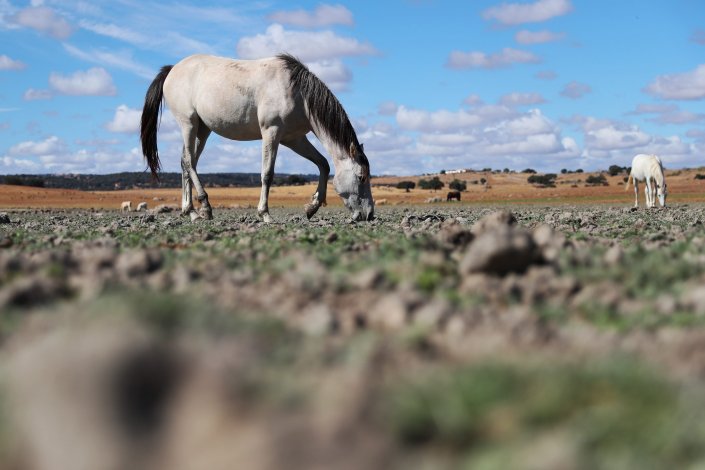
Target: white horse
(277, 100)
(648, 168)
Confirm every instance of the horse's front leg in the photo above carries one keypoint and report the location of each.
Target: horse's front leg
(270, 144)
(186, 199)
(647, 193)
(303, 147)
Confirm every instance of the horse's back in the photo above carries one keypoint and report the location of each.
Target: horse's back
(226, 94)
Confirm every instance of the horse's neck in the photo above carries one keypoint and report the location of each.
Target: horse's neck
(332, 147)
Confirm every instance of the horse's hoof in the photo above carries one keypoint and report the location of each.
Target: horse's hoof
(266, 218)
(194, 216)
(206, 213)
(311, 209)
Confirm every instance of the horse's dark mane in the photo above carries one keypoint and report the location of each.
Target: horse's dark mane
(323, 106)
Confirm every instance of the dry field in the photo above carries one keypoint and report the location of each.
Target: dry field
(557, 336)
(502, 189)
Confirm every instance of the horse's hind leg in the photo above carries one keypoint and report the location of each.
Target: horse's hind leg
(303, 147)
(186, 198)
(636, 193)
(201, 137)
(189, 159)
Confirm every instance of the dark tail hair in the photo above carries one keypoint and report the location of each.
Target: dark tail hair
(150, 121)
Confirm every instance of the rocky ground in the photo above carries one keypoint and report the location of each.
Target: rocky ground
(451, 337)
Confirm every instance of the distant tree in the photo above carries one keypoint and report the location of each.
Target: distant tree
(529, 170)
(506, 170)
(699, 176)
(443, 172)
(295, 180)
(434, 183)
(596, 180)
(483, 181)
(615, 170)
(564, 171)
(24, 181)
(407, 185)
(487, 170)
(579, 170)
(458, 185)
(544, 181)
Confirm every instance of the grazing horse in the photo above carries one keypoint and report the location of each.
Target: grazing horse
(648, 168)
(453, 195)
(276, 100)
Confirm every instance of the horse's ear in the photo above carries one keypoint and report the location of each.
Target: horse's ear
(353, 150)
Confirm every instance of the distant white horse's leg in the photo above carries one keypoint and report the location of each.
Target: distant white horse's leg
(190, 131)
(647, 192)
(636, 193)
(270, 145)
(303, 147)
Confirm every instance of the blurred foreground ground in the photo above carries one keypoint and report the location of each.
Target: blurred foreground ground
(449, 336)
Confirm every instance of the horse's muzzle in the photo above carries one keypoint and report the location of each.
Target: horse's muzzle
(359, 216)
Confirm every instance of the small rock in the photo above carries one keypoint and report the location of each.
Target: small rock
(614, 255)
(493, 221)
(4, 218)
(389, 313)
(331, 237)
(500, 251)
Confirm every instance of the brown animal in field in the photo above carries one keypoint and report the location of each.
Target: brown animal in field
(126, 206)
(453, 195)
(381, 202)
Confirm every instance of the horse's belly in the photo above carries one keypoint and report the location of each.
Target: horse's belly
(233, 124)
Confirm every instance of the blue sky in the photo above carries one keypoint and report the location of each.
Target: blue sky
(429, 85)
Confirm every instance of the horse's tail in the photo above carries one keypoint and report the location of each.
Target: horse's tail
(150, 120)
(629, 179)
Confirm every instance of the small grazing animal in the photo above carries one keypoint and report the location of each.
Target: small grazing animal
(381, 202)
(648, 168)
(453, 195)
(126, 206)
(141, 207)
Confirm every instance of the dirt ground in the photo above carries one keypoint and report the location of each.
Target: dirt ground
(501, 188)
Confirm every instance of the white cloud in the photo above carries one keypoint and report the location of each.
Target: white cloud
(92, 82)
(575, 90)
(323, 15)
(6, 63)
(333, 72)
(48, 146)
(680, 86)
(537, 37)
(118, 59)
(33, 95)
(43, 19)
(668, 114)
(521, 99)
(387, 108)
(519, 13)
(322, 51)
(486, 135)
(125, 120)
(308, 46)
(476, 59)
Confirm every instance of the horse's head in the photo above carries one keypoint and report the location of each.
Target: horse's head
(352, 183)
(661, 192)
